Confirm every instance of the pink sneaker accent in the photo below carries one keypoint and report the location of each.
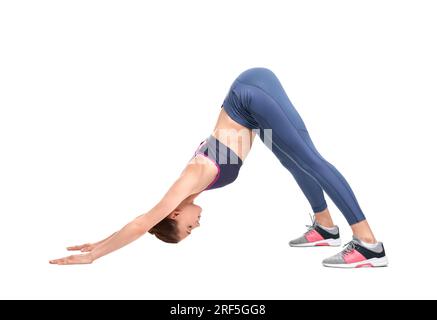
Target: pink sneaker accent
(322, 244)
(353, 257)
(365, 265)
(313, 236)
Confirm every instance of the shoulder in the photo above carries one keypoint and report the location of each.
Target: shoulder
(201, 171)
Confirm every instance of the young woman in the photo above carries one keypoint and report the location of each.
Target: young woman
(256, 104)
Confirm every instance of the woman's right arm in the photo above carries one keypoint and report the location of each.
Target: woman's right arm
(188, 183)
(87, 247)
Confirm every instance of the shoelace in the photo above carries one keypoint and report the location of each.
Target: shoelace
(313, 224)
(349, 247)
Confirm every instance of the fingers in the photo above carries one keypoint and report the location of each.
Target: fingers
(74, 248)
(79, 247)
(59, 261)
(74, 259)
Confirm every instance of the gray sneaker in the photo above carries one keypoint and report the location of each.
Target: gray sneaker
(318, 236)
(357, 255)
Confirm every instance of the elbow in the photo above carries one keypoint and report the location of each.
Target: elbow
(138, 228)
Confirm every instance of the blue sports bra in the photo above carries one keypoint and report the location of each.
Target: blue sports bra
(227, 161)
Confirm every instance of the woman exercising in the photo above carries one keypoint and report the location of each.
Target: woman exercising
(256, 104)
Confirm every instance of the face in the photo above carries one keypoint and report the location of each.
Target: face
(187, 218)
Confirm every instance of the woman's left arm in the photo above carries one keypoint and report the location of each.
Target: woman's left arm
(184, 186)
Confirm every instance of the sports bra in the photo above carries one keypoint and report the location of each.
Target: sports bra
(226, 160)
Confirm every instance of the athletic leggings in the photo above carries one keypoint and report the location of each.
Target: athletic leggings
(257, 100)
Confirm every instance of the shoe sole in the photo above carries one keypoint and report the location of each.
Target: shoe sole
(320, 243)
(370, 263)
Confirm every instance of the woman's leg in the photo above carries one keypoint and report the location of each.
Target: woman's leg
(310, 188)
(261, 94)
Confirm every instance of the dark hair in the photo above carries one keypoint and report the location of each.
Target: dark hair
(166, 230)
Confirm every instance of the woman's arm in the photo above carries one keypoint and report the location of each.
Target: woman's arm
(87, 247)
(187, 184)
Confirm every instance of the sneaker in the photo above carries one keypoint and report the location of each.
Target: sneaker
(358, 255)
(318, 236)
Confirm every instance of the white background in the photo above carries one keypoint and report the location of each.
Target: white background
(95, 94)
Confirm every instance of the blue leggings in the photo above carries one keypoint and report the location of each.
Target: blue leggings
(257, 100)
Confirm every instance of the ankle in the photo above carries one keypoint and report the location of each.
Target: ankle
(366, 239)
(327, 223)
(324, 219)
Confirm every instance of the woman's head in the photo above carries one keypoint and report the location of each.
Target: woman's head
(178, 224)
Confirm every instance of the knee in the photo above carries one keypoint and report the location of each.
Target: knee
(315, 164)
